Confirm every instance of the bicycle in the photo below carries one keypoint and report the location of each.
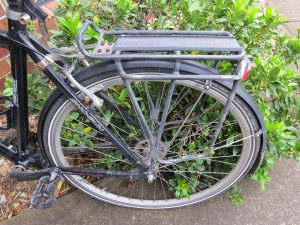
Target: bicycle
(150, 127)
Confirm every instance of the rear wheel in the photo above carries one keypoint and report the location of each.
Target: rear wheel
(70, 139)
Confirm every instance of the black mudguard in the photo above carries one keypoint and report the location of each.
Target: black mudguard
(186, 66)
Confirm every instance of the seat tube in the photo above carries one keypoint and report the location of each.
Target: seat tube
(18, 62)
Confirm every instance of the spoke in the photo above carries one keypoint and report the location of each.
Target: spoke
(98, 131)
(132, 191)
(192, 135)
(180, 121)
(111, 180)
(128, 189)
(114, 186)
(188, 178)
(196, 118)
(199, 116)
(82, 150)
(87, 135)
(176, 103)
(229, 163)
(202, 173)
(232, 137)
(94, 159)
(188, 171)
(176, 134)
(168, 183)
(211, 177)
(220, 147)
(116, 127)
(96, 151)
(149, 99)
(162, 185)
(85, 124)
(204, 149)
(159, 99)
(154, 196)
(213, 157)
(143, 189)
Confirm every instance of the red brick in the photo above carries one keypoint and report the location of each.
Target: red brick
(4, 68)
(51, 23)
(3, 24)
(2, 11)
(30, 67)
(49, 12)
(37, 27)
(2, 81)
(3, 52)
(51, 5)
(43, 41)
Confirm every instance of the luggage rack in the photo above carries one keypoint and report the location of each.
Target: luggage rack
(166, 45)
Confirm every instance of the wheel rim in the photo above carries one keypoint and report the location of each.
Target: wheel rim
(235, 174)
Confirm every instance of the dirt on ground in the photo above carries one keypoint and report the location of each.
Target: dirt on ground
(15, 195)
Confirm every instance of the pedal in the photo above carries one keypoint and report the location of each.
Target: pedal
(47, 190)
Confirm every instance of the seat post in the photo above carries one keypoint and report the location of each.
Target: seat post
(18, 62)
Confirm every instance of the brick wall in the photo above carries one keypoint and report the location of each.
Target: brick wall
(48, 7)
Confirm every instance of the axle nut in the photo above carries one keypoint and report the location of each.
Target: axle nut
(87, 100)
(24, 19)
(151, 178)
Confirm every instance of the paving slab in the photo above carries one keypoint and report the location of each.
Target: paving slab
(291, 10)
(278, 205)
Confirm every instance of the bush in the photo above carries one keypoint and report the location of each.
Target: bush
(273, 83)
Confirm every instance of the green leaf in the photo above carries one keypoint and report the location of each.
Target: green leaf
(87, 130)
(229, 141)
(7, 92)
(123, 95)
(236, 195)
(8, 82)
(192, 146)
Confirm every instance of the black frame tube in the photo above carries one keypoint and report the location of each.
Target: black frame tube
(18, 61)
(20, 42)
(73, 97)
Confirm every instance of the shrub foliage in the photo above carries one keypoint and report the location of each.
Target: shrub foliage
(273, 82)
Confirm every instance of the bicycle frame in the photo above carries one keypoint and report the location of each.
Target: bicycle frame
(20, 44)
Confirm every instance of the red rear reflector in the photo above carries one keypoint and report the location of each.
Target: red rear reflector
(246, 74)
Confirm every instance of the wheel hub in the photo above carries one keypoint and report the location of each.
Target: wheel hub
(142, 149)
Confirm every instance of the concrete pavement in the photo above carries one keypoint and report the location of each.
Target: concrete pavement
(278, 205)
(291, 10)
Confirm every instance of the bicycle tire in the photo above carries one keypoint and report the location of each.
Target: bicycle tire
(46, 126)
